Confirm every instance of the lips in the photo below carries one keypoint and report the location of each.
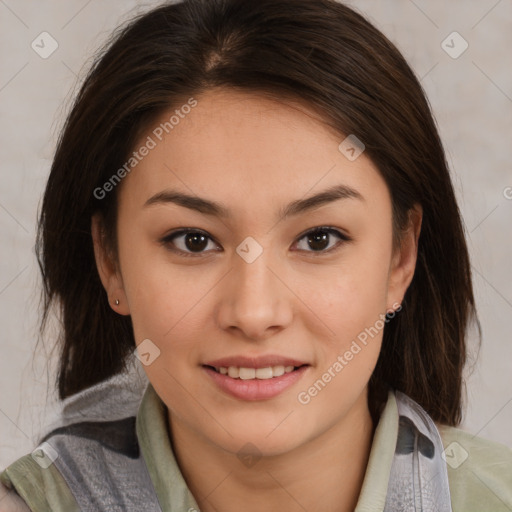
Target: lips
(255, 378)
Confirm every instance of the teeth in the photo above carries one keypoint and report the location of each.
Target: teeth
(247, 373)
(234, 372)
(255, 373)
(264, 373)
(278, 371)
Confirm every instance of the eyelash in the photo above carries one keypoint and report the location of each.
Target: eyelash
(168, 239)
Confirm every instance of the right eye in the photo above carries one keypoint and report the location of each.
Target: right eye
(188, 242)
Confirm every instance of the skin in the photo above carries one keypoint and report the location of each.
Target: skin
(255, 155)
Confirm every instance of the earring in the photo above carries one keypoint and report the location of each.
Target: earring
(116, 302)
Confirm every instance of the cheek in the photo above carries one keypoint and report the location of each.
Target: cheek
(165, 305)
(351, 301)
(159, 294)
(352, 304)
(348, 296)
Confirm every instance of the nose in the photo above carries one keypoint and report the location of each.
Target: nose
(255, 302)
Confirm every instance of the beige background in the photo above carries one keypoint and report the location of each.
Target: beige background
(470, 95)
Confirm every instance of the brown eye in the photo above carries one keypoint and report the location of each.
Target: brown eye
(192, 242)
(320, 240)
(195, 242)
(188, 242)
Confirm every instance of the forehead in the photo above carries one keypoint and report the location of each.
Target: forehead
(240, 146)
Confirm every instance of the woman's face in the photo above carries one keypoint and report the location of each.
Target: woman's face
(248, 283)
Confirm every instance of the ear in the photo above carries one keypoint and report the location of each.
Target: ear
(404, 259)
(107, 268)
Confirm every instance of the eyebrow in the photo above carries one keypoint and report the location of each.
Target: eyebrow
(299, 206)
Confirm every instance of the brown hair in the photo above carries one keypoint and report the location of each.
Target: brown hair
(317, 51)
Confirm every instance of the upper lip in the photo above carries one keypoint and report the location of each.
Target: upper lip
(255, 362)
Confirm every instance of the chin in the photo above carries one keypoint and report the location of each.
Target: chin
(260, 446)
(266, 438)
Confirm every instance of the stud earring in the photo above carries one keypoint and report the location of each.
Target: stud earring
(116, 302)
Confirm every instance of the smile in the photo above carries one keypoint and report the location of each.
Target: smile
(245, 383)
(243, 373)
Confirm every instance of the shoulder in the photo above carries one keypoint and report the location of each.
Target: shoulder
(69, 467)
(479, 471)
(93, 422)
(10, 501)
(38, 488)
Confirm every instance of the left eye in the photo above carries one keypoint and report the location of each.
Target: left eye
(318, 239)
(189, 242)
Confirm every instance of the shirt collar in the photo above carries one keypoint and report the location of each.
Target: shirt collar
(155, 444)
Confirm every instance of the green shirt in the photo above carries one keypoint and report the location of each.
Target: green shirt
(479, 471)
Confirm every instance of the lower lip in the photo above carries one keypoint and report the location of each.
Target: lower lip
(255, 389)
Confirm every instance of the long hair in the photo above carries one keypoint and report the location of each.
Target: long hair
(318, 51)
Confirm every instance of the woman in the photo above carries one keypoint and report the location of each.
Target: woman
(307, 354)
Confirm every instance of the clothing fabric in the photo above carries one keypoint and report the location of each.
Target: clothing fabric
(418, 479)
(113, 452)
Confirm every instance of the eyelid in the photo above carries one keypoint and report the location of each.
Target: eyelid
(167, 239)
(344, 238)
(325, 227)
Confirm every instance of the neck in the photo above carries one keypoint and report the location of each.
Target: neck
(325, 473)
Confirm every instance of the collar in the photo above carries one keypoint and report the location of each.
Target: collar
(171, 488)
